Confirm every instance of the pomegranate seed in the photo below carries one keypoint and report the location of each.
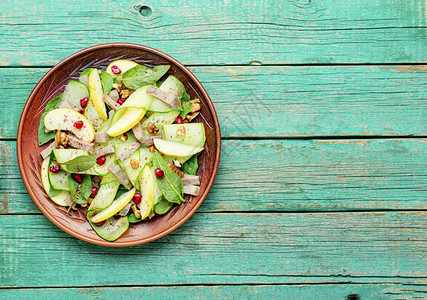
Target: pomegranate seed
(94, 191)
(54, 169)
(84, 101)
(115, 69)
(137, 198)
(121, 101)
(78, 124)
(159, 173)
(178, 120)
(77, 177)
(99, 224)
(101, 160)
(82, 111)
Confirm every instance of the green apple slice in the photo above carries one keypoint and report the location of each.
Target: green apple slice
(63, 198)
(115, 207)
(64, 119)
(96, 94)
(194, 134)
(112, 229)
(175, 149)
(123, 66)
(146, 181)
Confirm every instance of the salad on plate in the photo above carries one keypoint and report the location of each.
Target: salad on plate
(123, 144)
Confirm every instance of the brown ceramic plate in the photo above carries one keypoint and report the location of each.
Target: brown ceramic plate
(52, 84)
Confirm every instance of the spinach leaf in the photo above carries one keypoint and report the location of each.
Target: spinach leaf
(42, 136)
(190, 166)
(120, 192)
(140, 76)
(86, 72)
(80, 163)
(80, 192)
(133, 219)
(186, 109)
(106, 81)
(185, 97)
(171, 184)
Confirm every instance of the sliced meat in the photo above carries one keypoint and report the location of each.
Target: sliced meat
(114, 95)
(167, 98)
(125, 210)
(114, 105)
(120, 175)
(48, 150)
(101, 137)
(73, 141)
(149, 140)
(138, 132)
(132, 148)
(109, 149)
(84, 79)
(191, 189)
(191, 179)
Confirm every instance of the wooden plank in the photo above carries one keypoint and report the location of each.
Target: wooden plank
(377, 291)
(285, 101)
(273, 248)
(293, 175)
(198, 32)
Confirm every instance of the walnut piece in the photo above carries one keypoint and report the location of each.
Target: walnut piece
(152, 129)
(124, 93)
(181, 131)
(134, 163)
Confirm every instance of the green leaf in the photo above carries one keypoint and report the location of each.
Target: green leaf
(42, 136)
(140, 76)
(186, 109)
(133, 219)
(191, 165)
(86, 72)
(80, 192)
(171, 184)
(106, 81)
(80, 163)
(185, 97)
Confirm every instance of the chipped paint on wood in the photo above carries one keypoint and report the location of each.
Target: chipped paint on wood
(5, 154)
(295, 175)
(285, 101)
(238, 248)
(197, 32)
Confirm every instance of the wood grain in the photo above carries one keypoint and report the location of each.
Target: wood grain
(284, 101)
(41, 33)
(292, 175)
(239, 248)
(322, 290)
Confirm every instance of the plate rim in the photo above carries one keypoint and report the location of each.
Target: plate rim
(103, 242)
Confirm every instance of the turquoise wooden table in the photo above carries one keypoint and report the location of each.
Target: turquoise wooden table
(321, 191)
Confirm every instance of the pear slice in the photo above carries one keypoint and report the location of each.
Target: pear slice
(175, 149)
(96, 94)
(63, 198)
(64, 119)
(122, 64)
(146, 181)
(131, 112)
(115, 207)
(127, 120)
